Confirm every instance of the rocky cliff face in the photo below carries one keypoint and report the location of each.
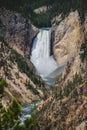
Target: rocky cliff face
(68, 38)
(22, 83)
(18, 32)
(69, 35)
(67, 113)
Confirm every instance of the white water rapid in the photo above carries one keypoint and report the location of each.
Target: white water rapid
(40, 56)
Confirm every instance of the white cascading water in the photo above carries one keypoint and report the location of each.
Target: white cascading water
(40, 55)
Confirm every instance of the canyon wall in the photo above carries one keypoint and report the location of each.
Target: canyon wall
(22, 82)
(69, 35)
(18, 31)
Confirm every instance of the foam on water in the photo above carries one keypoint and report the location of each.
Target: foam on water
(27, 110)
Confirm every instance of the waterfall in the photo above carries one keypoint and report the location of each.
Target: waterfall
(40, 54)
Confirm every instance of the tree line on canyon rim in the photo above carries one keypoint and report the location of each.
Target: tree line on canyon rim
(54, 7)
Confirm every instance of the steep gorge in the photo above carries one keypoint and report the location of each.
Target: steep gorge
(65, 106)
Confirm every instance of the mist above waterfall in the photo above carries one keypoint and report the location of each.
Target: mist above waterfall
(40, 55)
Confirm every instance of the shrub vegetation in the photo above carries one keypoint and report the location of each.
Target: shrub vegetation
(2, 85)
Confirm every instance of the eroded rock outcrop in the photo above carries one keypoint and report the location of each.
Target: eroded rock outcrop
(21, 81)
(66, 113)
(19, 32)
(68, 38)
(69, 35)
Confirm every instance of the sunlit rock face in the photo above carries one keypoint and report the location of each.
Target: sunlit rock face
(68, 37)
(40, 55)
